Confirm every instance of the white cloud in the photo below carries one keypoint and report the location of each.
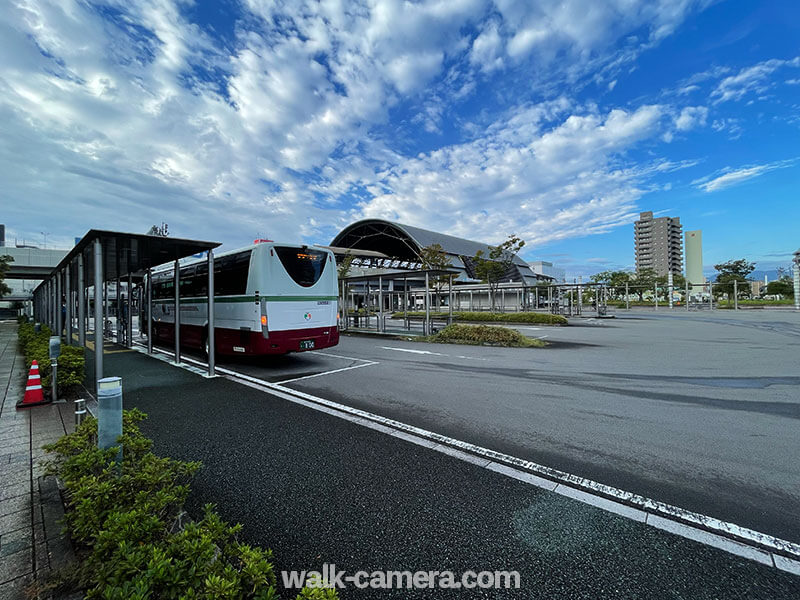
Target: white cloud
(486, 49)
(281, 128)
(731, 177)
(547, 184)
(691, 117)
(753, 79)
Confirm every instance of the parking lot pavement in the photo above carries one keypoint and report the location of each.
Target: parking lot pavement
(318, 489)
(698, 410)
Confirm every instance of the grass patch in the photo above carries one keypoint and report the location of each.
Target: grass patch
(492, 317)
(729, 303)
(483, 335)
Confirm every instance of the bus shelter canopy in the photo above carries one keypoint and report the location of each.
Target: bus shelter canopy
(130, 253)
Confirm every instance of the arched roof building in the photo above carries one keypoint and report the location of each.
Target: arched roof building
(405, 242)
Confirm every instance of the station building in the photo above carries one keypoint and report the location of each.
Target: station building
(401, 245)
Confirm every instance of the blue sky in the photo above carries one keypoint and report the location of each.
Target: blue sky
(556, 121)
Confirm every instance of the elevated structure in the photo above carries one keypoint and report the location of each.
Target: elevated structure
(404, 244)
(658, 243)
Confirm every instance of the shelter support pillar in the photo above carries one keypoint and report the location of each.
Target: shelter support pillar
(81, 294)
(427, 305)
(129, 312)
(176, 279)
(68, 293)
(211, 339)
(119, 310)
(59, 313)
(149, 311)
(98, 310)
(380, 304)
(450, 300)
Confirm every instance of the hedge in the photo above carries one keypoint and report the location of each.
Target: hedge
(128, 527)
(517, 317)
(71, 360)
(484, 335)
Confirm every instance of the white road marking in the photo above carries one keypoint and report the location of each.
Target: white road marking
(726, 536)
(340, 356)
(366, 364)
(711, 539)
(414, 351)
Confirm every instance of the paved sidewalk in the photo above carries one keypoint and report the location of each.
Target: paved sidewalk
(30, 540)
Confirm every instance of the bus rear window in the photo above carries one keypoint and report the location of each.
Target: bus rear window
(304, 265)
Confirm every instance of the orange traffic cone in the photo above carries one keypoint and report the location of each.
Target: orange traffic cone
(33, 390)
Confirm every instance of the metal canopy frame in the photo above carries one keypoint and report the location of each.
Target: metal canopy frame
(101, 256)
(419, 274)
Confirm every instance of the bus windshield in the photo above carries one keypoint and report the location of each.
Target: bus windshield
(303, 265)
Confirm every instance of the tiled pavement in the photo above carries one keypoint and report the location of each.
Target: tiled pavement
(30, 541)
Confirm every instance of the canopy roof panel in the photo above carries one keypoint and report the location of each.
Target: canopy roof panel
(129, 253)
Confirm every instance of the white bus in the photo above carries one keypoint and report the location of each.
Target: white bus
(269, 298)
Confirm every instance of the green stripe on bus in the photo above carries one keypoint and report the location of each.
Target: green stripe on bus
(204, 300)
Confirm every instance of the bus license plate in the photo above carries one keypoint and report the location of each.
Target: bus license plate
(306, 344)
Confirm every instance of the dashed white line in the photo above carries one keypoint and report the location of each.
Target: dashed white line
(413, 351)
(366, 364)
(340, 356)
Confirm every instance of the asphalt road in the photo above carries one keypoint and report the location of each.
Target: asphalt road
(700, 410)
(318, 489)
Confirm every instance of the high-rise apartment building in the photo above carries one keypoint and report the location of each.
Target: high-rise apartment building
(659, 243)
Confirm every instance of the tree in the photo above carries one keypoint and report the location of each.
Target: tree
(730, 271)
(644, 280)
(433, 257)
(678, 284)
(343, 270)
(5, 261)
(614, 280)
(781, 287)
(492, 268)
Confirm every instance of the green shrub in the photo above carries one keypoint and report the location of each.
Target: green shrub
(71, 361)
(484, 335)
(125, 520)
(519, 317)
